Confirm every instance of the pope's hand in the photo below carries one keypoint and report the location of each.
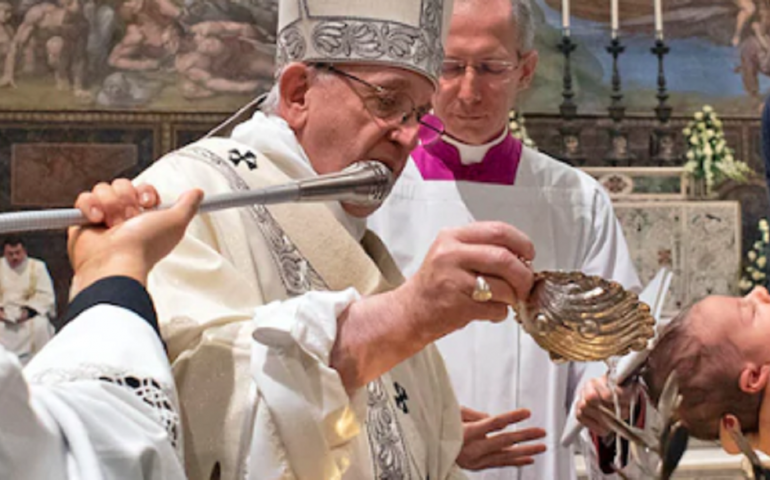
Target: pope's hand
(376, 333)
(125, 243)
(439, 296)
(596, 393)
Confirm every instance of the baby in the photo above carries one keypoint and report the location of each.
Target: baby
(720, 349)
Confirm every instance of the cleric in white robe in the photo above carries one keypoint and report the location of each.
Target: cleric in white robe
(27, 301)
(98, 401)
(297, 350)
(478, 171)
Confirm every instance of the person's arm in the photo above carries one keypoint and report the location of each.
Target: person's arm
(43, 299)
(378, 332)
(23, 34)
(126, 55)
(92, 404)
(314, 353)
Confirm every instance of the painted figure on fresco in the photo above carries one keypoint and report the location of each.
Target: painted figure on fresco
(225, 57)
(6, 30)
(150, 34)
(57, 29)
(129, 53)
(755, 49)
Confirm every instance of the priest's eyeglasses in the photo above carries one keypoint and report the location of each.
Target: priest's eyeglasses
(494, 70)
(390, 106)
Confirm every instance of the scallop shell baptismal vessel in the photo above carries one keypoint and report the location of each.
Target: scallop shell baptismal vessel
(577, 317)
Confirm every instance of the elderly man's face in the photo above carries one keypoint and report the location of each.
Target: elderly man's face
(339, 128)
(14, 254)
(474, 105)
(744, 321)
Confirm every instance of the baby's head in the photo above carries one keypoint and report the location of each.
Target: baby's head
(720, 349)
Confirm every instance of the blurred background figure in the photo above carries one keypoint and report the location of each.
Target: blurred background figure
(27, 301)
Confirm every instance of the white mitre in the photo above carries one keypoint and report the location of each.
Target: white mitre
(399, 33)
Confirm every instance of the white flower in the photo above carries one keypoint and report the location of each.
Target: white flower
(514, 126)
(694, 140)
(690, 155)
(752, 255)
(756, 276)
(707, 109)
(698, 116)
(745, 284)
(762, 261)
(766, 237)
(687, 132)
(763, 225)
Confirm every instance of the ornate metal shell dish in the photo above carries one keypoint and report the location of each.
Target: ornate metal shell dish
(582, 318)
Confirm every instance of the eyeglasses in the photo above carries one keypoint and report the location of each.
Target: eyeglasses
(498, 70)
(390, 106)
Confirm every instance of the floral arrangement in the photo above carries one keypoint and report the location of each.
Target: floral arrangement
(755, 271)
(518, 130)
(708, 156)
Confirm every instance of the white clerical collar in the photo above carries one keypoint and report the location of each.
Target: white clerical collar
(471, 154)
(277, 141)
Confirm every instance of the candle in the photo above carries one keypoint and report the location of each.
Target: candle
(565, 15)
(615, 18)
(659, 19)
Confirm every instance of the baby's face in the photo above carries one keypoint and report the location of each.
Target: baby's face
(744, 321)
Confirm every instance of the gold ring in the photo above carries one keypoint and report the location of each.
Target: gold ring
(481, 292)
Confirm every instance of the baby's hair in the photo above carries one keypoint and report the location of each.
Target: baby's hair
(708, 376)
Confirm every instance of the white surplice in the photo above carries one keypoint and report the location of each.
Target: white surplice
(497, 367)
(248, 304)
(28, 285)
(96, 403)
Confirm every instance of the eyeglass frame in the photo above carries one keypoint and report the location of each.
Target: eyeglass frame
(380, 90)
(503, 76)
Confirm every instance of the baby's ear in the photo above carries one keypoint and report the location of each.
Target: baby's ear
(754, 378)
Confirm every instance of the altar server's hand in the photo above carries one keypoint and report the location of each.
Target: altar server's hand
(440, 294)
(127, 243)
(597, 392)
(485, 445)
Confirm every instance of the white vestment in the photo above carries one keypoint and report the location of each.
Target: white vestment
(496, 368)
(96, 403)
(28, 285)
(258, 396)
